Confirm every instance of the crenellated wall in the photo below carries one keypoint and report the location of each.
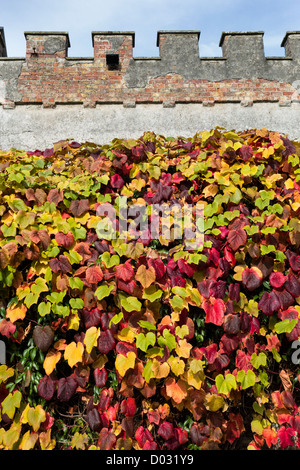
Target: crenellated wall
(47, 95)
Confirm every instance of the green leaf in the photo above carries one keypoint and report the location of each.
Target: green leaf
(144, 341)
(61, 310)
(167, 339)
(116, 319)
(76, 283)
(44, 308)
(147, 325)
(258, 360)
(56, 297)
(76, 303)
(110, 261)
(225, 384)
(285, 326)
(246, 379)
(152, 293)
(131, 304)
(103, 291)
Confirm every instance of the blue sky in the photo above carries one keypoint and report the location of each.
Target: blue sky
(79, 18)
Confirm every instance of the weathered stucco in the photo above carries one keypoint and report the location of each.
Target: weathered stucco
(33, 127)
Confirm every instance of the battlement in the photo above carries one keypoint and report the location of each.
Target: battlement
(179, 75)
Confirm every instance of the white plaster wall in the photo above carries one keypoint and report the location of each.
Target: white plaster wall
(32, 127)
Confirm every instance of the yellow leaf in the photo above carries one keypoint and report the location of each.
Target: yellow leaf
(46, 442)
(183, 348)
(51, 360)
(28, 441)
(214, 402)
(73, 322)
(16, 312)
(124, 363)
(177, 365)
(127, 334)
(195, 379)
(12, 435)
(91, 337)
(36, 416)
(160, 370)
(73, 353)
(79, 441)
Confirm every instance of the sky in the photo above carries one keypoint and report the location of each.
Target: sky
(145, 17)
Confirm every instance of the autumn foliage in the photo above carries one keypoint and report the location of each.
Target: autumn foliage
(143, 344)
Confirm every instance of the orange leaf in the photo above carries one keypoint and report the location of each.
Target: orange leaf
(145, 276)
(16, 312)
(270, 436)
(176, 390)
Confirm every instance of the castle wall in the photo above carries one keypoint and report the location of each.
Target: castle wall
(48, 96)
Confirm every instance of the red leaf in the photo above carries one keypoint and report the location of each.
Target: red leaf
(124, 348)
(65, 240)
(269, 303)
(199, 433)
(285, 298)
(106, 342)
(46, 387)
(292, 285)
(252, 278)
(270, 436)
(142, 435)
(43, 337)
(60, 264)
(165, 430)
(203, 287)
(94, 274)
(91, 317)
(127, 287)
(159, 267)
(245, 152)
(106, 439)
(214, 256)
(116, 181)
(235, 427)
(229, 343)
(214, 311)
(84, 250)
(7, 328)
(128, 407)
(78, 207)
(234, 292)
(125, 271)
(93, 419)
(66, 388)
(285, 435)
(217, 289)
(277, 279)
(294, 261)
(232, 324)
(55, 196)
(186, 268)
(237, 238)
(100, 376)
(150, 445)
